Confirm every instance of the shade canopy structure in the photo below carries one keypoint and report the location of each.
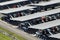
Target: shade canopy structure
(47, 3)
(36, 15)
(16, 9)
(46, 25)
(11, 2)
(55, 36)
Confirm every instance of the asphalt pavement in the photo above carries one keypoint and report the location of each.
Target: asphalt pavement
(17, 31)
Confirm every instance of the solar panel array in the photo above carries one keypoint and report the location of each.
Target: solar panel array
(40, 15)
